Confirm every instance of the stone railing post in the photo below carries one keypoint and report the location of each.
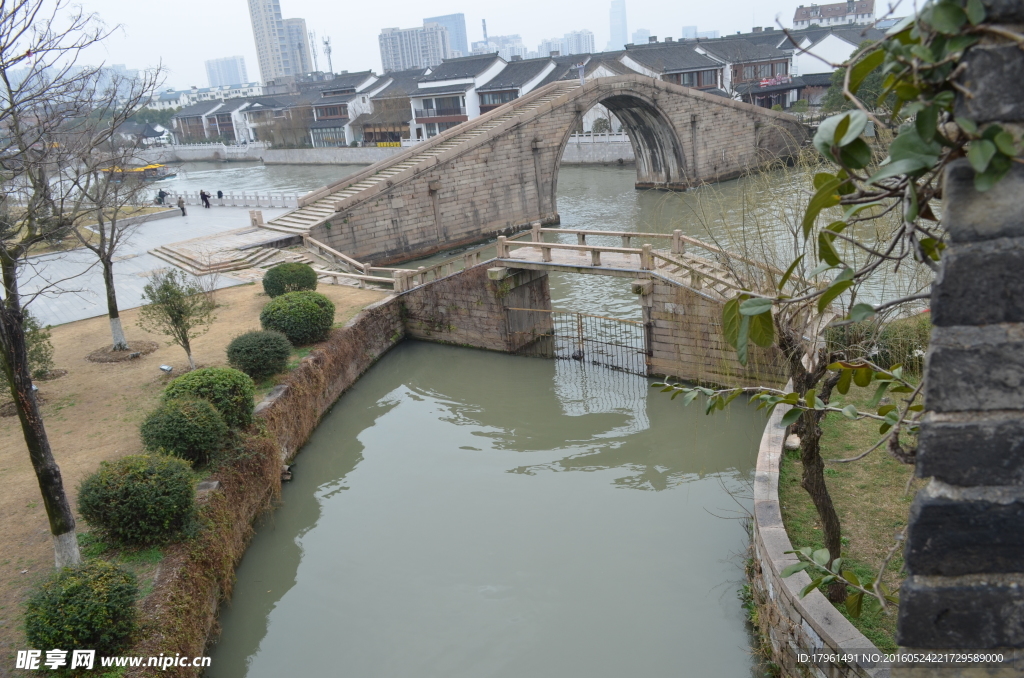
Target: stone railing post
(965, 544)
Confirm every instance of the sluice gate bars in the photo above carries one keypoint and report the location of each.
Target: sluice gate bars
(588, 339)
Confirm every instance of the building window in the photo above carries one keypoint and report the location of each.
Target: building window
(748, 72)
(688, 79)
(496, 98)
(764, 71)
(707, 79)
(431, 129)
(780, 68)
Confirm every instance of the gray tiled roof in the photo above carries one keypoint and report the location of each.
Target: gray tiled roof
(343, 80)
(441, 89)
(516, 74)
(738, 50)
(671, 57)
(402, 84)
(201, 108)
(463, 67)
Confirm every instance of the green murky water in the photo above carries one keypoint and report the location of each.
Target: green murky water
(461, 513)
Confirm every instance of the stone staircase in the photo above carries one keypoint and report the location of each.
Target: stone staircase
(305, 217)
(255, 257)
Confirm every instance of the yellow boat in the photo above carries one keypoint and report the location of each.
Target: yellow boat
(152, 172)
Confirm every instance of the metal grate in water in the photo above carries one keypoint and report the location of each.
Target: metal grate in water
(585, 338)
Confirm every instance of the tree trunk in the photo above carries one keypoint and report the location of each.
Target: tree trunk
(814, 482)
(14, 361)
(115, 319)
(188, 351)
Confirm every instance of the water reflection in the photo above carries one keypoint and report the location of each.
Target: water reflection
(431, 531)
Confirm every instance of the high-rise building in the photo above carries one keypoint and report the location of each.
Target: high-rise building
(278, 56)
(456, 25)
(298, 46)
(617, 23)
(226, 71)
(579, 42)
(707, 35)
(689, 33)
(641, 36)
(549, 45)
(402, 49)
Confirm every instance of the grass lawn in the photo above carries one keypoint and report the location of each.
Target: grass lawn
(871, 498)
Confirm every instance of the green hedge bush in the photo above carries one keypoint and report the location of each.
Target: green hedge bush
(89, 607)
(259, 354)
(303, 317)
(229, 390)
(190, 428)
(289, 277)
(139, 500)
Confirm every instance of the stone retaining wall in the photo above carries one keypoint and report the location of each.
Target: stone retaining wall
(795, 625)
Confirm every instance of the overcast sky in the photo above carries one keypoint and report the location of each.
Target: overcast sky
(185, 33)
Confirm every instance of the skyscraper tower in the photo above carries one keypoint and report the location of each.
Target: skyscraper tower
(282, 45)
(456, 25)
(617, 17)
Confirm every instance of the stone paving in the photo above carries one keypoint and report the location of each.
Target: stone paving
(78, 271)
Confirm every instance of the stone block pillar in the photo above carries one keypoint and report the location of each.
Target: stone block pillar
(965, 545)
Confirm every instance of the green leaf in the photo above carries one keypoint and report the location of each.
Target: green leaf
(909, 145)
(810, 587)
(843, 385)
(885, 409)
(756, 306)
(851, 577)
(856, 154)
(762, 329)
(731, 321)
(789, 271)
(821, 557)
(790, 570)
(967, 125)
(861, 312)
(826, 196)
(875, 399)
(850, 412)
(791, 416)
(689, 397)
(821, 178)
(854, 602)
(826, 135)
(851, 131)
(833, 291)
(821, 268)
(862, 376)
(897, 168)
(947, 18)
(997, 169)
(975, 12)
(980, 154)
(826, 252)
(863, 68)
(926, 122)
(1004, 142)
(741, 339)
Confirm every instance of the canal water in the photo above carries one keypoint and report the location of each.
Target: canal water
(461, 513)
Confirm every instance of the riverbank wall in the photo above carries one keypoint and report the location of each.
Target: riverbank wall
(581, 150)
(791, 625)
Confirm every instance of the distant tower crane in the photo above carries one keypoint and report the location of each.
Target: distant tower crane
(327, 51)
(316, 48)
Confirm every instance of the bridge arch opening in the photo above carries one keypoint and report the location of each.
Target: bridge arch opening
(657, 149)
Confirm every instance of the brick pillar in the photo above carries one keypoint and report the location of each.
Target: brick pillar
(965, 545)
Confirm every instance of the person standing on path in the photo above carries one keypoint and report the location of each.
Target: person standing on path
(181, 204)
(220, 195)
(205, 197)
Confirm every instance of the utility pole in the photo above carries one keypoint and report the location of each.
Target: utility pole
(314, 50)
(327, 51)
(485, 30)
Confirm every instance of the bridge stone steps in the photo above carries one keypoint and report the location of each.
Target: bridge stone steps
(302, 219)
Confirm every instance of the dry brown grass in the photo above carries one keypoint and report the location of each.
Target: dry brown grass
(93, 414)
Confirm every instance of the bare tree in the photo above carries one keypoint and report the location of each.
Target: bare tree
(47, 119)
(110, 192)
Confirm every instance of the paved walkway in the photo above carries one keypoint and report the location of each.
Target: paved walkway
(82, 277)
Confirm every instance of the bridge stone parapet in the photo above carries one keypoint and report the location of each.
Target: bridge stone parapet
(499, 172)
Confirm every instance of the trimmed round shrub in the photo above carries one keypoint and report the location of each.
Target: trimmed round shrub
(303, 317)
(229, 390)
(259, 354)
(89, 607)
(139, 500)
(289, 277)
(190, 428)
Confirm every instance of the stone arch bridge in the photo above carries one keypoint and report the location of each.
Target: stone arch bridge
(499, 172)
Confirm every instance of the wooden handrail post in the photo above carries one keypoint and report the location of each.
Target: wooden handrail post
(535, 234)
(595, 257)
(695, 280)
(646, 258)
(399, 278)
(677, 242)
(545, 253)
(467, 260)
(581, 238)
(502, 247)
(626, 239)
